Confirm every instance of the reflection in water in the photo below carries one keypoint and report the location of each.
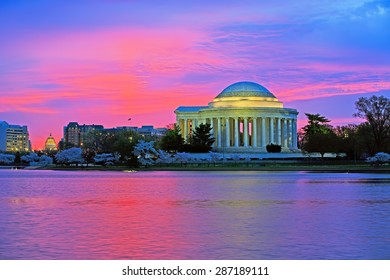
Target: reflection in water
(193, 215)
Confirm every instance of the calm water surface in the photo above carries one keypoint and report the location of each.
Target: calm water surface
(193, 215)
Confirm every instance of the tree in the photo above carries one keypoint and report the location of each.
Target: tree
(172, 141)
(30, 157)
(379, 159)
(121, 142)
(316, 124)
(145, 152)
(100, 141)
(18, 159)
(355, 140)
(366, 138)
(35, 159)
(62, 145)
(319, 136)
(7, 159)
(106, 159)
(202, 136)
(164, 157)
(89, 155)
(201, 140)
(70, 156)
(322, 143)
(124, 142)
(45, 160)
(182, 158)
(376, 111)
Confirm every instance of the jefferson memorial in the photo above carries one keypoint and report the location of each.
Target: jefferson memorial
(245, 117)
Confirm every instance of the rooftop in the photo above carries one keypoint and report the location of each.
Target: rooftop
(245, 89)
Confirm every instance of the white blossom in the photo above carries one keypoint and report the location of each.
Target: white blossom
(35, 160)
(383, 157)
(7, 159)
(182, 157)
(69, 156)
(31, 157)
(145, 152)
(45, 160)
(107, 159)
(379, 158)
(215, 156)
(164, 157)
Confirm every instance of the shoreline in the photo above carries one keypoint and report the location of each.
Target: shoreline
(325, 168)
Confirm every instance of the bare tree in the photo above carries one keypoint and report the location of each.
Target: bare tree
(376, 111)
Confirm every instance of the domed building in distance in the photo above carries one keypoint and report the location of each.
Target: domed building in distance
(50, 144)
(245, 117)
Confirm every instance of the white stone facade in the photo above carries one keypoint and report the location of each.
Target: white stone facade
(245, 117)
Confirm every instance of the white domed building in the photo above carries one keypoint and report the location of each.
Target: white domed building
(50, 144)
(245, 117)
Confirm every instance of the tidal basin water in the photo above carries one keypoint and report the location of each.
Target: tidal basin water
(193, 215)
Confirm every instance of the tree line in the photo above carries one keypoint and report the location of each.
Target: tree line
(357, 141)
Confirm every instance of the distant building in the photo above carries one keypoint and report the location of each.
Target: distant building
(50, 144)
(78, 134)
(14, 138)
(85, 130)
(161, 131)
(145, 130)
(72, 133)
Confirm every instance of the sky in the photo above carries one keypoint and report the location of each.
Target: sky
(103, 62)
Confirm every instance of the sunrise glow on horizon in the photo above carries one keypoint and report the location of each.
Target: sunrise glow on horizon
(103, 62)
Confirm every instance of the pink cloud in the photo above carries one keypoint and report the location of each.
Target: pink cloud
(333, 89)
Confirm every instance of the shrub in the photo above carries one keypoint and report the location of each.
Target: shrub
(271, 148)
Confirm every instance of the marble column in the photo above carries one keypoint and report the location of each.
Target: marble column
(236, 130)
(271, 131)
(245, 132)
(285, 133)
(219, 134)
(231, 128)
(294, 134)
(278, 132)
(181, 127)
(212, 129)
(263, 132)
(227, 131)
(194, 124)
(254, 132)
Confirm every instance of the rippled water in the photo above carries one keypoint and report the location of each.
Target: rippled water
(193, 215)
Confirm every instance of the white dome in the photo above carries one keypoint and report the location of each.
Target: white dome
(245, 89)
